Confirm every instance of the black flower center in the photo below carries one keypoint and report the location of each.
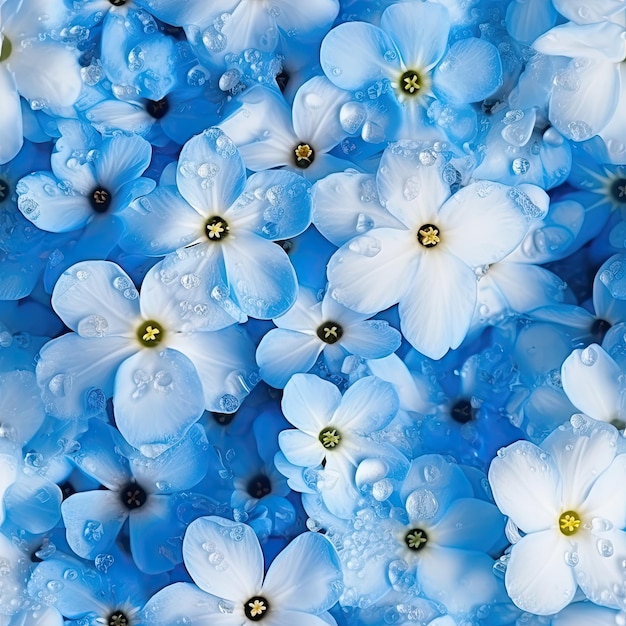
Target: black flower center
(216, 228)
(304, 155)
(7, 48)
(330, 332)
(285, 244)
(259, 486)
(462, 412)
(5, 190)
(223, 419)
(428, 235)
(117, 618)
(329, 437)
(411, 83)
(599, 328)
(100, 200)
(133, 496)
(416, 539)
(150, 334)
(618, 190)
(282, 79)
(256, 608)
(158, 108)
(118, 3)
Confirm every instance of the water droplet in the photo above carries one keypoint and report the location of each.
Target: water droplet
(605, 547)
(82, 275)
(382, 489)
(60, 385)
(103, 562)
(92, 531)
(520, 166)
(571, 558)
(421, 504)
(589, 356)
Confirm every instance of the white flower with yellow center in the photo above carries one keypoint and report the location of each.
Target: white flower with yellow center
(563, 498)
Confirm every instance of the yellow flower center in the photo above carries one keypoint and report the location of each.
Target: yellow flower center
(329, 437)
(416, 539)
(117, 619)
(569, 523)
(7, 48)
(330, 332)
(216, 228)
(150, 334)
(305, 155)
(428, 235)
(411, 83)
(256, 608)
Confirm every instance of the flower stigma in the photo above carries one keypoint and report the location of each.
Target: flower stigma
(150, 334)
(569, 523)
(157, 108)
(256, 608)
(259, 486)
(428, 235)
(416, 539)
(330, 332)
(100, 200)
(117, 618)
(133, 496)
(4, 190)
(305, 155)
(216, 228)
(329, 437)
(617, 190)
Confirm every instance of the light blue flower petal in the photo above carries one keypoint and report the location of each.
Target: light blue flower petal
(470, 71)
(96, 299)
(306, 576)
(190, 12)
(283, 352)
(186, 601)
(368, 405)
(262, 280)
(159, 223)
(128, 192)
(48, 207)
(33, 503)
(606, 305)
(377, 58)
(11, 119)
(92, 521)
(309, 402)
(296, 18)
(164, 385)
(274, 205)
(72, 369)
(224, 558)
(121, 160)
(20, 406)
(371, 339)
(420, 32)
(155, 533)
(525, 21)
(224, 360)
(301, 449)
(211, 174)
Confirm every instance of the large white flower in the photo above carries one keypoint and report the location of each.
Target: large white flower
(563, 498)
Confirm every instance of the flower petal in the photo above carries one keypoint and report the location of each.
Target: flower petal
(309, 402)
(306, 575)
(224, 558)
(11, 119)
(538, 579)
(371, 339)
(163, 385)
(121, 160)
(300, 448)
(603, 500)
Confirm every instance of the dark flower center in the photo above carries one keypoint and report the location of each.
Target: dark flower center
(100, 200)
(428, 235)
(216, 228)
(5, 190)
(158, 108)
(223, 419)
(150, 334)
(462, 412)
(411, 82)
(416, 539)
(618, 190)
(282, 78)
(330, 332)
(117, 618)
(599, 328)
(259, 486)
(133, 496)
(304, 155)
(7, 48)
(256, 608)
(118, 3)
(285, 244)
(329, 437)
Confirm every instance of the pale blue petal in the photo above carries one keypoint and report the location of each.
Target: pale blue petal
(470, 71)
(11, 119)
(525, 21)
(301, 449)
(224, 558)
(377, 58)
(283, 352)
(96, 299)
(33, 503)
(130, 191)
(92, 521)
(309, 402)
(419, 30)
(371, 339)
(300, 19)
(164, 385)
(306, 576)
(121, 160)
(274, 205)
(211, 174)
(20, 406)
(262, 280)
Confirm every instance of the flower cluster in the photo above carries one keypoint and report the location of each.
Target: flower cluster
(312, 313)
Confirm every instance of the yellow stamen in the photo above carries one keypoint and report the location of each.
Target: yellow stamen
(569, 523)
(303, 152)
(411, 83)
(151, 333)
(329, 438)
(429, 236)
(257, 607)
(215, 230)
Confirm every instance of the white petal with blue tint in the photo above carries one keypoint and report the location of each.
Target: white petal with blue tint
(371, 339)
(377, 58)
(11, 119)
(300, 448)
(97, 298)
(121, 160)
(296, 18)
(211, 174)
(33, 503)
(224, 558)
(306, 576)
(163, 385)
(260, 275)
